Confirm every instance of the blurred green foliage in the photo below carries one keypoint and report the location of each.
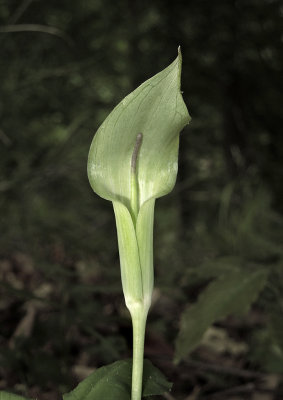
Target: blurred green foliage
(61, 300)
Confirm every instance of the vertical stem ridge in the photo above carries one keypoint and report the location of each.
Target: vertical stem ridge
(139, 322)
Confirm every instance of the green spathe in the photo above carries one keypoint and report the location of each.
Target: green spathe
(133, 160)
(157, 110)
(136, 253)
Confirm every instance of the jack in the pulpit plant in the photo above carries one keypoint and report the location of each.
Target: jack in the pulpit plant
(133, 160)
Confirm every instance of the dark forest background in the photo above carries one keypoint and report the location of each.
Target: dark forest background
(63, 66)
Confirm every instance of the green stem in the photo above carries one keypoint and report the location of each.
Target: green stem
(139, 321)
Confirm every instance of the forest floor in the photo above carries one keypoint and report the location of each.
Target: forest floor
(49, 342)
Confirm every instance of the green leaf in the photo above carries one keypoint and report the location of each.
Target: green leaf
(232, 293)
(154, 382)
(113, 382)
(265, 351)
(110, 382)
(276, 328)
(11, 396)
(157, 110)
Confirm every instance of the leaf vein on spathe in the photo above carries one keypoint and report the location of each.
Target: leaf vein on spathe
(124, 107)
(150, 110)
(135, 95)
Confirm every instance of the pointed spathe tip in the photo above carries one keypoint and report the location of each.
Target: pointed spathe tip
(180, 54)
